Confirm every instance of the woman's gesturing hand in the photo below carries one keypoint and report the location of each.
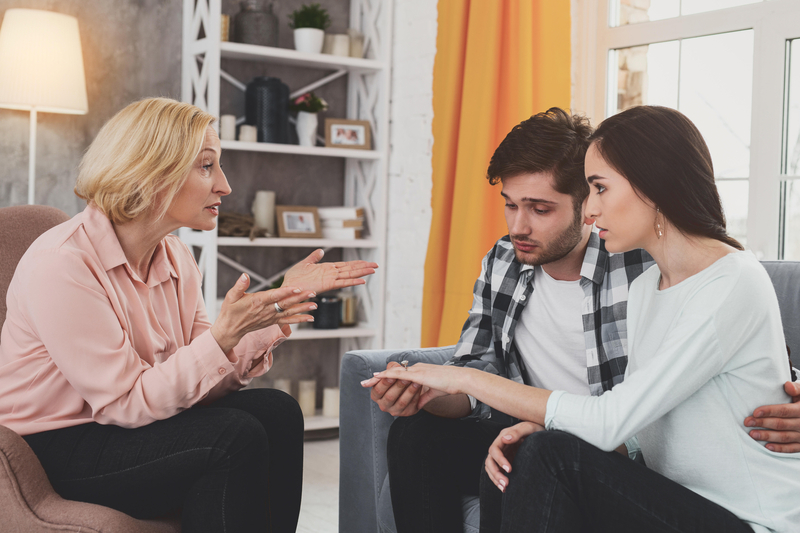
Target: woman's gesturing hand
(310, 274)
(503, 450)
(242, 313)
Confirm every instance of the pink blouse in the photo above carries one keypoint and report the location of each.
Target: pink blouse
(86, 340)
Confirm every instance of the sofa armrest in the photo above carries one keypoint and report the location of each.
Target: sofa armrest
(363, 430)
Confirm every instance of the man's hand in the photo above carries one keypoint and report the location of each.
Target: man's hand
(394, 396)
(504, 449)
(781, 423)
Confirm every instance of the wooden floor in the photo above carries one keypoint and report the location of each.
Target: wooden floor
(319, 511)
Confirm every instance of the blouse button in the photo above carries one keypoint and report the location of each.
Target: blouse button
(522, 297)
(221, 371)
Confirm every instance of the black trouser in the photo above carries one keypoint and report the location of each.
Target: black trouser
(560, 483)
(433, 462)
(236, 465)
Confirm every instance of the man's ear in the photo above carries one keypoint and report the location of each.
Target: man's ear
(586, 220)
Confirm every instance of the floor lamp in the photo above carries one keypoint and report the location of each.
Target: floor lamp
(41, 69)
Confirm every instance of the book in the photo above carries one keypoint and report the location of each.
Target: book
(341, 234)
(357, 223)
(341, 212)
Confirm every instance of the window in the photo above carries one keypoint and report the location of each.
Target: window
(729, 66)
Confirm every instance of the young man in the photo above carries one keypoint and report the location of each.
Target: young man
(549, 310)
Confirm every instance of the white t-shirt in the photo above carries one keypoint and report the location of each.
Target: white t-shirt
(703, 354)
(549, 335)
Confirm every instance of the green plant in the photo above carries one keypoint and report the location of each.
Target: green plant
(310, 16)
(308, 102)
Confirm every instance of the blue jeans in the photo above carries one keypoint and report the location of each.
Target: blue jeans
(560, 483)
(235, 465)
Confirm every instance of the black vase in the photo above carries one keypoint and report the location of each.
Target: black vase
(267, 108)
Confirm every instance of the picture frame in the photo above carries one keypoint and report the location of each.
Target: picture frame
(298, 221)
(342, 133)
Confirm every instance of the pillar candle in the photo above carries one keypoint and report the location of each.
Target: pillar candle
(308, 397)
(227, 127)
(356, 43)
(283, 384)
(340, 45)
(330, 402)
(248, 133)
(264, 211)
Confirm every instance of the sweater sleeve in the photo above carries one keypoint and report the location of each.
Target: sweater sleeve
(689, 356)
(704, 335)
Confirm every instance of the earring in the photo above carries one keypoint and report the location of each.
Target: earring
(657, 225)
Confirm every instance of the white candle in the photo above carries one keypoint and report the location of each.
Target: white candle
(248, 133)
(283, 384)
(340, 45)
(330, 402)
(227, 128)
(308, 397)
(264, 211)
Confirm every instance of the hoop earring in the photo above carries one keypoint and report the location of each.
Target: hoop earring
(657, 225)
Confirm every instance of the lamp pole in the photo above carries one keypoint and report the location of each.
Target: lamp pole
(32, 159)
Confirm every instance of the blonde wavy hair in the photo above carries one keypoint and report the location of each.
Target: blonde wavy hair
(141, 158)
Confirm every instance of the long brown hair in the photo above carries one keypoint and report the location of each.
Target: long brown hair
(664, 157)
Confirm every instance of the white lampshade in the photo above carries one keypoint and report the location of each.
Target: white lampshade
(41, 64)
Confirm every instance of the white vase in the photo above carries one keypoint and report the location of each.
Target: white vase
(307, 128)
(308, 40)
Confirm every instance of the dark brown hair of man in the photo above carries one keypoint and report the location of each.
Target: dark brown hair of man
(554, 141)
(664, 157)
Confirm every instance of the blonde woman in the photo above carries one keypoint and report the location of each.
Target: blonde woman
(109, 366)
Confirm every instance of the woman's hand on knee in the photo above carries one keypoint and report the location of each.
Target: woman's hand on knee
(503, 450)
(242, 313)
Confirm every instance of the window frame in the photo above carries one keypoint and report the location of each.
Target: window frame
(771, 21)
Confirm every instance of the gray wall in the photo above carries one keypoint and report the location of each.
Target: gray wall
(131, 50)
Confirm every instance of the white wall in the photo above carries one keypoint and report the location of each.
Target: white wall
(409, 194)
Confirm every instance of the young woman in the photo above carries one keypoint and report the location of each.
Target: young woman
(705, 345)
(109, 366)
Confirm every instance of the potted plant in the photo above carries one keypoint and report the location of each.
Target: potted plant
(307, 106)
(309, 23)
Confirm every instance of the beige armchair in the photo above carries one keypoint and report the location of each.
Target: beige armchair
(28, 502)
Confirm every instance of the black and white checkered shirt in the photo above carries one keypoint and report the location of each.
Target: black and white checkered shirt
(505, 286)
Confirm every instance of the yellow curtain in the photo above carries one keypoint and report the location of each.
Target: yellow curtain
(497, 63)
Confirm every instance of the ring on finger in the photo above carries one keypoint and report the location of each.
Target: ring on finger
(405, 364)
(278, 308)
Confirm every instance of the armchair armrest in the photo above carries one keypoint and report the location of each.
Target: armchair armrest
(363, 430)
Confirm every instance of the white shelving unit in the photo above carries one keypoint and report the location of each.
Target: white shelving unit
(365, 170)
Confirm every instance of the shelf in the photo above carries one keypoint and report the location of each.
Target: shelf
(316, 422)
(276, 242)
(286, 56)
(299, 334)
(300, 150)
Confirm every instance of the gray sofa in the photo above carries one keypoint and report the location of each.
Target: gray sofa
(364, 501)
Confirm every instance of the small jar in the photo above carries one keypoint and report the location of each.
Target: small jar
(328, 313)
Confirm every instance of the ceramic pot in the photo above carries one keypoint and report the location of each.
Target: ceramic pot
(307, 128)
(255, 25)
(308, 40)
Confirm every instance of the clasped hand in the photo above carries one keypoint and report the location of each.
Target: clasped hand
(403, 391)
(242, 313)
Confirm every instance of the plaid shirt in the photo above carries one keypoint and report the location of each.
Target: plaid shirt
(505, 286)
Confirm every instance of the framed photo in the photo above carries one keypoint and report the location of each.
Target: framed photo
(298, 221)
(341, 133)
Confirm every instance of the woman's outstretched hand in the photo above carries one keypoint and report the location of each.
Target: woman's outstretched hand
(311, 275)
(242, 313)
(504, 449)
